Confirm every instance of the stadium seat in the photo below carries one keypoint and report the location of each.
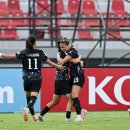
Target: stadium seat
(10, 33)
(18, 22)
(88, 7)
(73, 6)
(13, 6)
(84, 34)
(42, 5)
(121, 15)
(115, 33)
(4, 13)
(60, 7)
(3, 6)
(118, 6)
(92, 22)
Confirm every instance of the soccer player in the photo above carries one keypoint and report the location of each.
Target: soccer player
(77, 77)
(32, 60)
(62, 87)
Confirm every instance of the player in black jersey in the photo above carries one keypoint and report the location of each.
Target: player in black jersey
(62, 87)
(32, 60)
(77, 77)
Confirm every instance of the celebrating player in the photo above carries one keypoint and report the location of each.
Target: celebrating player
(62, 87)
(32, 60)
(77, 77)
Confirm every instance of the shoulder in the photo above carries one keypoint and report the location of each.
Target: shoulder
(21, 52)
(62, 54)
(72, 50)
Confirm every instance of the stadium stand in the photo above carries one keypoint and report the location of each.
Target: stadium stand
(13, 6)
(42, 5)
(83, 34)
(73, 6)
(65, 9)
(115, 31)
(11, 33)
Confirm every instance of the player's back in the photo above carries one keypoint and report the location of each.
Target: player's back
(32, 62)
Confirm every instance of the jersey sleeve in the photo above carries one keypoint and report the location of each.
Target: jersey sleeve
(44, 56)
(62, 54)
(19, 54)
(73, 53)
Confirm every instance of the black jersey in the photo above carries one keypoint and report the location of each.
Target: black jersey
(75, 69)
(62, 75)
(32, 63)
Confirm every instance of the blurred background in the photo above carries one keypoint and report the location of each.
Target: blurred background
(99, 29)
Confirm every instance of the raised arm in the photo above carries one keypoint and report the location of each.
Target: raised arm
(76, 60)
(49, 62)
(8, 56)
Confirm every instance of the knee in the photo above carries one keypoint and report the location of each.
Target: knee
(74, 94)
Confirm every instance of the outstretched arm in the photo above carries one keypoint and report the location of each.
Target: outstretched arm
(76, 60)
(49, 62)
(8, 56)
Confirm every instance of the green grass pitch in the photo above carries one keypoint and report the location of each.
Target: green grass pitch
(113, 120)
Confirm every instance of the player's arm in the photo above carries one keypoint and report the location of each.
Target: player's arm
(8, 56)
(76, 60)
(49, 62)
(81, 63)
(66, 59)
(59, 59)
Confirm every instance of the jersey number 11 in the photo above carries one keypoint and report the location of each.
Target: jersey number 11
(30, 67)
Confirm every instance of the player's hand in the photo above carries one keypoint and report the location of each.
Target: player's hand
(0, 54)
(60, 68)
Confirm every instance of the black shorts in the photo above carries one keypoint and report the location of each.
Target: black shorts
(62, 87)
(79, 80)
(32, 85)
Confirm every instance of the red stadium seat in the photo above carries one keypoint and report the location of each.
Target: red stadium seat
(60, 7)
(4, 13)
(42, 5)
(73, 6)
(3, 9)
(88, 7)
(118, 6)
(115, 33)
(3, 6)
(18, 22)
(63, 23)
(13, 6)
(92, 22)
(10, 33)
(121, 15)
(84, 34)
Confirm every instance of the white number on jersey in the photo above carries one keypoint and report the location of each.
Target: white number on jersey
(29, 62)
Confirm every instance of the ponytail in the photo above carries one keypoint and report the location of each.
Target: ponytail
(30, 41)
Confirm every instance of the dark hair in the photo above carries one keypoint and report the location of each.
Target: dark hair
(58, 46)
(30, 41)
(67, 41)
